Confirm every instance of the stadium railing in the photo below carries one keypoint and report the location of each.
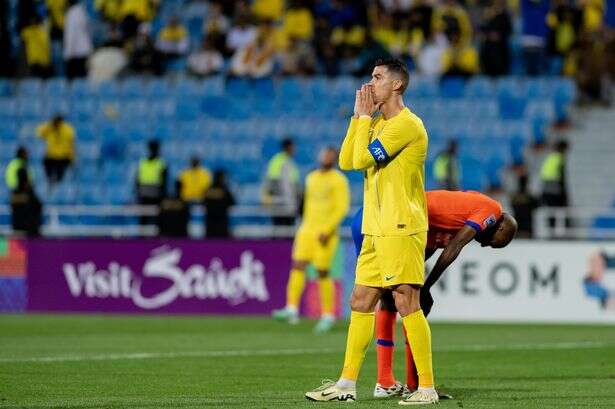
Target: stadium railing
(574, 223)
(250, 222)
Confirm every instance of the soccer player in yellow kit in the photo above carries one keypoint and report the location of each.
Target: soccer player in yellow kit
(326, 204)
(390, 149)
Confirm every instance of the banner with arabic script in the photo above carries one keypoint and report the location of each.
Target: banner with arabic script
(157, 276)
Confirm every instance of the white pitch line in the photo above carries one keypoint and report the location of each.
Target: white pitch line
(306, 351)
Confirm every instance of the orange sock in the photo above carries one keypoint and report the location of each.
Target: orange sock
(412, 377)
(385, 330)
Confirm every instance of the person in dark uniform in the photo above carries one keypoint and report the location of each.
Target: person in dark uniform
(26, 208)
(217, 202)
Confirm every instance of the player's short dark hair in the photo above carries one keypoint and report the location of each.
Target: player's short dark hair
(398, 67)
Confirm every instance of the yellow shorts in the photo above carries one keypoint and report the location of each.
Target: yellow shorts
(389, 261)
(308, 248)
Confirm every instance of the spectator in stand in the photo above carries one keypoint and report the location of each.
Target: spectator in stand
(241, 35)
(174, 215)
(218, 201)
(524, 204)
(15, 165)
(26, 9)
(256, 60)
(430, 57)
(6, 48)
(133, 13)
(268, 9)
(370, 52)
(564, 23)
(420, 20)
(60, 138)
(298, 21)
(496, 29)
(26, 208)
(145, 59)
(56, 9)
(298, 58)
(151, 180)
(38, 48)
(173, 39)
(216, 26)
(446, 170)
(206, 61)
(534, 35)
(77, 40)
(195, 182)
(109, 10)
(459, 59)
(453, 20)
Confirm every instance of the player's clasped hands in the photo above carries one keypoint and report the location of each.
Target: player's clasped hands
(364, 101)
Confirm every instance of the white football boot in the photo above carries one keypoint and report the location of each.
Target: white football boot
(421, 397)
(381, 392)
(329, 391)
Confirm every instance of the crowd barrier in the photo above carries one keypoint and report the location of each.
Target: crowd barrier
(540, 281)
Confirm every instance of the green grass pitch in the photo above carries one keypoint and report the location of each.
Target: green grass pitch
(229, 362)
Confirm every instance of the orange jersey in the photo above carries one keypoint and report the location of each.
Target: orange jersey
(449, 211)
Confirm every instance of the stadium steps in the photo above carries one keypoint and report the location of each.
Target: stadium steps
(590, 162)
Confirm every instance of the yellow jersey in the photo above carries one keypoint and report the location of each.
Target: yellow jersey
(326, 202)
(392, 154)
(60, 142)
(195, 182)
(299, 23)
(37, 44)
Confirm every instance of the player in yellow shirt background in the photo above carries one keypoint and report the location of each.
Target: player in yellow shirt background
(390, 149)
(326, 204)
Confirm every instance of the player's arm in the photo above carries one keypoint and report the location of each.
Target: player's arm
(448, 255)
(347, 149)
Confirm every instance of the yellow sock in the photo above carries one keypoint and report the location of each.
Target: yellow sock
(296, 283)
(360, 334)
(419, 336)
(327, 294)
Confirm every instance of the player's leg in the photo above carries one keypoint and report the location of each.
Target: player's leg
(294, 291)
(323, 258)
(403, 259)
(365, 295)
(419, 338)
(302, 254)
(386, 315)
(360, 334)
(412, 377)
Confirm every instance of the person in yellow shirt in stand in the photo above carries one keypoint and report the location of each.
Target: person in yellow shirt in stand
(57, 9)
(37, 44)
(195, 181)
(390, 149)
(60, 138)
(268, 9)
(326, 204)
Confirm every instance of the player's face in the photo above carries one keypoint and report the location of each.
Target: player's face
(382, 84)
(328, 158)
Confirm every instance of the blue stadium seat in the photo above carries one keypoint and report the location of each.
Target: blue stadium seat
(88, 174)
(480, 87)
(9, 131)
(88, 151)
(8, 109)
(7, 150)
(471, 174)
(452, 87)
(132, 87)
(5, 88)
(157, 88)
(290, 88)
(56, 87)
(81, 88)
(29, 109)
(238, 87)
(91, 194)
(31, 87)
(187, 110)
